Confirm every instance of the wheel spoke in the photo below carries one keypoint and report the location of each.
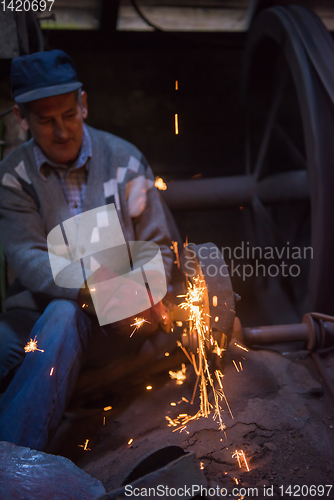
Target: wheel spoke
(270, 123)
(265, 219)
(248, 150)
(295, 153)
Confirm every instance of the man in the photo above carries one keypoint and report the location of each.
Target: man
(65, 170)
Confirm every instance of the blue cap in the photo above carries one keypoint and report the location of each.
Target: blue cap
(42, 74)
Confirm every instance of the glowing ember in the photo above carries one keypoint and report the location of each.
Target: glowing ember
(130, 441)
(176, 85)
(171, 422)
(216, 319)
(201, 466)
(176, 124)
(32, 346)
(160, 184)
(175, 249)
(85, 446)
(217, 350)
(148, 387)
(107, 408)
(179, 323)
(240, 346)
(173, 404)
(236, 480)
(180, 375)
(235, 366)
(138, 323)
(241, 368)
(51, 372)
(240, 455)
(215, 301)
(104, 420)
(166, 354)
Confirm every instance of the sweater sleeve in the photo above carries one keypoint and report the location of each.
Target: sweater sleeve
(23, 236)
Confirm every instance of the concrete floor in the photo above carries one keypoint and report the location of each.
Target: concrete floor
(283, 420)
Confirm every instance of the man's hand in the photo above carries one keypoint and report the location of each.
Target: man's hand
(129, 295)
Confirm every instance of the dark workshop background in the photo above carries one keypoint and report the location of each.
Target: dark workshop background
(130, 82)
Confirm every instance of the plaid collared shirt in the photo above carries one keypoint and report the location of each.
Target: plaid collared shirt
(73, 179)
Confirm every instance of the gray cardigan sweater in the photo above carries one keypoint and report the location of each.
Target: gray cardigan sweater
(31, 206)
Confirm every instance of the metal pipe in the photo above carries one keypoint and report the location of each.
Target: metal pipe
(236, 190)
(277, 333)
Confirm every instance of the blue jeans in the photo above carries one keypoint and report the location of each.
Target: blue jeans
(34, 402)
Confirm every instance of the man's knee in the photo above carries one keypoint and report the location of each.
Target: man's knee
(63, 311)
(67, 308)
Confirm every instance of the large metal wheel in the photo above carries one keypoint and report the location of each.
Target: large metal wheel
(288, 95)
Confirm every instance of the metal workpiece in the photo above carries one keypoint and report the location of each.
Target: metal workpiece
(236, 190)
(316, 330)
(276, 333)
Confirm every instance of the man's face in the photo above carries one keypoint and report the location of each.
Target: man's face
(56, 123)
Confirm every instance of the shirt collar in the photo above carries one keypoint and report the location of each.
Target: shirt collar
(85, 154)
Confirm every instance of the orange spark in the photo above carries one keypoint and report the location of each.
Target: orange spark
(107, 408)
(130, 441)
(166, 354)
(148, 387)
(175, 249)
(85, 446)
(138, 323)
(201, 466)
(176, 85)
(32, 346)
(51, 372)
(216, 349)
(235, 365)
(104, 420)
(240, 454)
(245, 461)
(240, 346)
(173, 404)
(241, 366)
(179, 376)
(171, 422)
(236, 480)
(176, 124)
(215, 301)
(194, 304)
(160, 184)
